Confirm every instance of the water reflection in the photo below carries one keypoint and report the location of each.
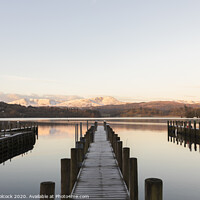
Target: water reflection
(156, 158)
(184, 139)
(16, 145)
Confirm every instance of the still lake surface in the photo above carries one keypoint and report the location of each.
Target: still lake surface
(176, 165)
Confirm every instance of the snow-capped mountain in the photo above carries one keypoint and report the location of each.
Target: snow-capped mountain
(98, 101)
(59, 101)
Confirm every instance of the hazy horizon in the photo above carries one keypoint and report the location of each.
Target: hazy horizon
(66, 97)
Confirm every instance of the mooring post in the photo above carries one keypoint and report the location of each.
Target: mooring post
(133, 179)
(190, 127)
(168, 125)
(114, 143)
(81, 129)
(185, 125)
(125, 164)
(79, 157)
(65, 176)
(73, 167)
(153, 189)
(77, 131)
(195, 128)
(119, 154)
(75, 135)
(47, 190)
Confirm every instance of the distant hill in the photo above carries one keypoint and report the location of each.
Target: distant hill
(145, 109)
(66, 106)
(93, 102)
(151, 109)
(14, 110)
(79, 102)
(36, 100)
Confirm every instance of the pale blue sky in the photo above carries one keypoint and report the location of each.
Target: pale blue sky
(123, 48)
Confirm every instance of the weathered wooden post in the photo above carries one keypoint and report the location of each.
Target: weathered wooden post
(73, 167)
(153, 189)
(65, 176)
(195, 128)
(119, 154)
(81, 129)
(125, 164)
(190, 127)
(168, 126)
(133, 179)
(114, 143)
(47, 190)
(77, 132)
(80, 157)
(185, 126)
(95, 125)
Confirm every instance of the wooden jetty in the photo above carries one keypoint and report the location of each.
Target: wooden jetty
(15, 140)
(184, 132)
(100, 168)
(100, 177)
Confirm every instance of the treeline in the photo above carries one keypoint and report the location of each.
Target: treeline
(151, 109)
(144, 110)
(14, 110)
(192, 112)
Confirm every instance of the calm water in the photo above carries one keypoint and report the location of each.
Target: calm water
(175, 164)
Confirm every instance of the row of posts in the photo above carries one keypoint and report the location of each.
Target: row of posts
(11, 127)
(184, 127)
(128, 168)
(70, 167)
(6, 126)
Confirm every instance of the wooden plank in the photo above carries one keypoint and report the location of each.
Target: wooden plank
(100, 176)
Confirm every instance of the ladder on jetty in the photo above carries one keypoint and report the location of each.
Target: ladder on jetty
(100, 176)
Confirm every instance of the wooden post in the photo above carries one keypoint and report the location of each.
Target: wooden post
(125, 164)
(79, 157)
(47, 190)
(75, 135)
(168, 126)
(195, 124)
(73, 168)
(77, 132)
(153, 189)
(65, 176)
(114, 142)
(190, 127)
(119, 154)
(87, 125)
(133, 180)
(80, 129)
(185, 126)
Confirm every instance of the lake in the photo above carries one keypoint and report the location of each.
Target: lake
(176, 165)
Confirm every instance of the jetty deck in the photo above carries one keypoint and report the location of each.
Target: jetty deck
(100, 176)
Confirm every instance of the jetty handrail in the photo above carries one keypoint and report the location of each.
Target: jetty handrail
(13, 127)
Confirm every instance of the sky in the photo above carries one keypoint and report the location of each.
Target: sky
(123, 48)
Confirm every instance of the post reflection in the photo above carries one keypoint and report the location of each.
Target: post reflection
(182, 138)
(15, 146)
